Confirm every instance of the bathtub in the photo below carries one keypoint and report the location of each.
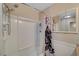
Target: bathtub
(63, 49)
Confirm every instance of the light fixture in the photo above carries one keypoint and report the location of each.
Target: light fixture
(67, 16)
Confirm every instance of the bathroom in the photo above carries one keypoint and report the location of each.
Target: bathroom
(22, 28)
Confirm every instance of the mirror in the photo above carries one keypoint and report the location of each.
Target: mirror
(65, 21)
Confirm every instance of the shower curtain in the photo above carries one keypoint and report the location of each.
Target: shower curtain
(48, 36)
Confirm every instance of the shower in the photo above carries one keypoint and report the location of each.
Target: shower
(15, 40)
(6, 23)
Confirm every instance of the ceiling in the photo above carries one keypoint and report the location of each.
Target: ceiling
(40, 6)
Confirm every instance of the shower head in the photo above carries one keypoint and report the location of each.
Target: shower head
(16, 5)
(10, 7)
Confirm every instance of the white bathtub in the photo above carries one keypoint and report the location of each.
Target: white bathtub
(63, 48)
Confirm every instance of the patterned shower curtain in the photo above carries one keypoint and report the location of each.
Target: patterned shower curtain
(48, 37)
